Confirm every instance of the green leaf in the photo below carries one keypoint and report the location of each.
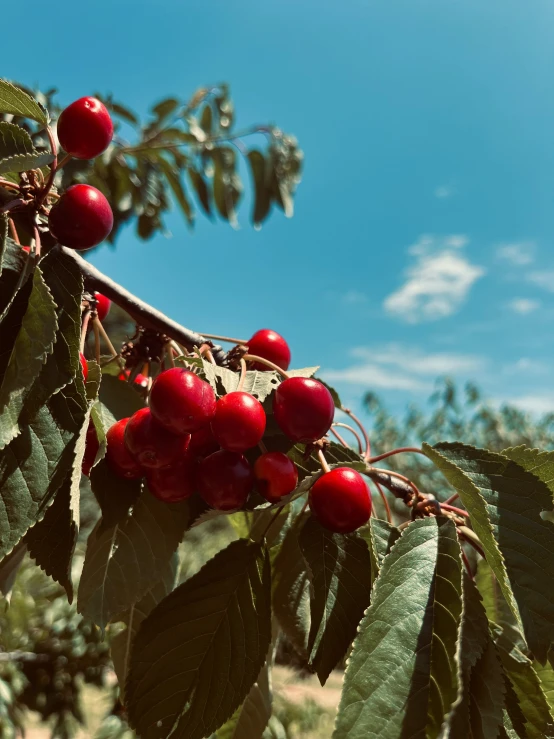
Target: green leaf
(206, 119)
(505, 502)
(119, 397)
(380, 536)
(121, 644)
(33, 344)
(250, 720)
(291, 590)
(17, 153)
(16, 102)
(336, 398)
(530, 712)
(51, 542)
(9, 568)
(122, 561)
(479, 712)
(201, 189)
(339, 566)
(402, 676)
(174, 180)
(262, 193)
(115, 495)
(545, 674)
(497, 610)
(36, 463)
(227, 187)
(199, 652)
(165, 107)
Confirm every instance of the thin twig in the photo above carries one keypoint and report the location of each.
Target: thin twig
(471, 537)
(84, 329)
(453, 509)
(324, 465)
(451, 499)
(255, 358)
(144, 314)
(96, 340)
(339, 437)
(242, 375)
(226, 339)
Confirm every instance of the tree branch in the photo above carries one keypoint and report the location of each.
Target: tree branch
(141, 312)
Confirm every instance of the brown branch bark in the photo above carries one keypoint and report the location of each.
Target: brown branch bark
(144, 314)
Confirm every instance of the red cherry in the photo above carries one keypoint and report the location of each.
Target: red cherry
(174, 483)
(276, 475)
(81, 218)
(224, 480)
(26, 248)
(92, 445)
(152, 445)
(85, 128)
(120, 461)
(340, 500)
(269, 345)
(303, 408)
(239, 422)
(203, 442)
(140, 380)
(84, 365)
(181, 401)
(103, 305)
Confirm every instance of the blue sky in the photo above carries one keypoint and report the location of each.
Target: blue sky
(422, 242)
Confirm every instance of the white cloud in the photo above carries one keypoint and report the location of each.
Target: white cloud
(437, 284)
(400, 367)
(444, 191)
(523, 305)
(519, 253)
(542, 279)
(526, 366)
(537, 404)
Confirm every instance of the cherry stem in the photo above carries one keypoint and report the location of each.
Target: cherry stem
(169, 354)
(262, 447)
(400, 450)
(37, 241)
(53, 168)
(105, 336)
(226, 339)
(453, 509)
(471, 537)
(142, 313)
(356, 434)
(273, 519)
(9, 185)
(242, 375)
(84, 328)
(339, 437)
(360, 425)
(385, 501)
(205, 349)
(451, 499)
(63, 161)
(261, 360)
(14, 205)
(13, 231)
(324, 465)
(96, 339)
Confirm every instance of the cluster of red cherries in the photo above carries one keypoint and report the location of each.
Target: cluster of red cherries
(187, 440)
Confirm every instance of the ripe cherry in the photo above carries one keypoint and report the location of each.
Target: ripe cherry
(81, 218)
(118, 457)
(92, 445)
(239, 421)
(203, 442)
(85, 128)
(27, 249)
(103, 305)
(174, 483)
(84, 365)
(276, 475)
(225, 480)
(269, 345)
(303, 408)
(340, 500)
(152, 445)
(181, 401)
